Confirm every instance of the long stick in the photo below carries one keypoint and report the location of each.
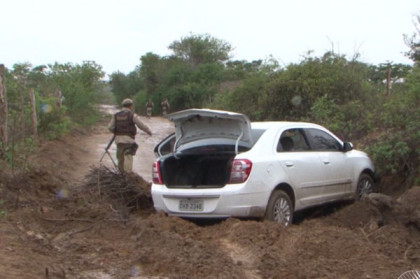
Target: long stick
(106, 149)
(100, 161)
(110, 142)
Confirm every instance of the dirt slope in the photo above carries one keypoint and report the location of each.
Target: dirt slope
(62, 223)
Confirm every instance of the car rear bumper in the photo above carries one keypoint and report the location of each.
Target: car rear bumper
(229, 201)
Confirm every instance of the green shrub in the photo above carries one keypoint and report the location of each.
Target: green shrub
(326, 112)
(140, 103)
(16, 154)
(52, 120)
(391, 154)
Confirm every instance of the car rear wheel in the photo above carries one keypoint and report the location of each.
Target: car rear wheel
(364, 185)
(279, 208)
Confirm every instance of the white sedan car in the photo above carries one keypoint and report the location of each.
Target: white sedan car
(218, 164)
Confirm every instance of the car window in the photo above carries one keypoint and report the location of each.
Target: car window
(221, 143)
(217, 145)
(292, 140)
(166, 146)
(322, 141)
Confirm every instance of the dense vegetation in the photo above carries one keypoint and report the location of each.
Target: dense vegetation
(65, 97)
(375, 106)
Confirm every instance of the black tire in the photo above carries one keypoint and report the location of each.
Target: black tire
(279, 208)
(365, 185)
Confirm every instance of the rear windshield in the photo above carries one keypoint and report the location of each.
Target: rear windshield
(212, 146)
(219, 145)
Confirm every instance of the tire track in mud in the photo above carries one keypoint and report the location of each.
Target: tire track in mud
(241, 256)
(150, 245)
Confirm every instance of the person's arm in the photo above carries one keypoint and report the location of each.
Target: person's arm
(141, 125)
(111, 124)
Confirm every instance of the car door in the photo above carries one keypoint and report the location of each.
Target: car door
(303, 167)
(334, 160)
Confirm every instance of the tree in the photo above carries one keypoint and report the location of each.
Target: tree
(397, 135)
(246, 97)
(119, 86)
(378, 73)
(291, 92)
(413, 41)
(201, 49)
(80, 85)
(188, 78)
(150, 71)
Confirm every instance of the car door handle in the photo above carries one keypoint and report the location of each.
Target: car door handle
(326, 162)
(289, 164)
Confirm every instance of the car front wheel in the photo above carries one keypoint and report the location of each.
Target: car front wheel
(279, 208)
(364, 186)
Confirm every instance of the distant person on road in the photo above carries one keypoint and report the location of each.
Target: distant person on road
(165, 107)
(123, 124)
(149, 107)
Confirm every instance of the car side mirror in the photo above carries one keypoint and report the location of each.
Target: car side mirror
(348, 146)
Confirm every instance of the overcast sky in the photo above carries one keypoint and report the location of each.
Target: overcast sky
(115, 34)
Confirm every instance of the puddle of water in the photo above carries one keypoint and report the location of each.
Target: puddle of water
(108, 109)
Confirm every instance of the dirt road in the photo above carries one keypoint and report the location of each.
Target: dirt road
(54, 224)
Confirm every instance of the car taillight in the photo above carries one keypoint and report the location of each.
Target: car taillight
(240, 170)
(156, 176)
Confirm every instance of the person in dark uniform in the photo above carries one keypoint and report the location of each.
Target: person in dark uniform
(165, 107)
(149, 107)
(124, 125)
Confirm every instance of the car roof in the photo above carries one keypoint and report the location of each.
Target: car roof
(284, 124)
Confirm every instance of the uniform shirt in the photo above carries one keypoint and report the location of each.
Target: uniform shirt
(124, 138)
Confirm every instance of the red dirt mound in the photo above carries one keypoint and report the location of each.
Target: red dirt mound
(63, 220)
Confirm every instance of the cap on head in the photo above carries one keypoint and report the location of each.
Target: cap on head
(127, 102)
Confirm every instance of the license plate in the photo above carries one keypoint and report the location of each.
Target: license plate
(191, 205)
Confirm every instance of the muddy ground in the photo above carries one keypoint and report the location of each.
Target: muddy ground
(68, 217)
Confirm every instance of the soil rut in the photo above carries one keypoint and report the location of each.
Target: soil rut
(58, 223)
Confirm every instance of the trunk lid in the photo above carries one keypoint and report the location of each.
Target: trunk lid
(201, 125)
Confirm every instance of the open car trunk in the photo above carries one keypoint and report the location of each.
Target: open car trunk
(196, 171)
(200, 152)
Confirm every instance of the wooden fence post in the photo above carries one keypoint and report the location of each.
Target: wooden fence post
(33, 113)
(388, 80)
(58, 95)
(3, 113)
